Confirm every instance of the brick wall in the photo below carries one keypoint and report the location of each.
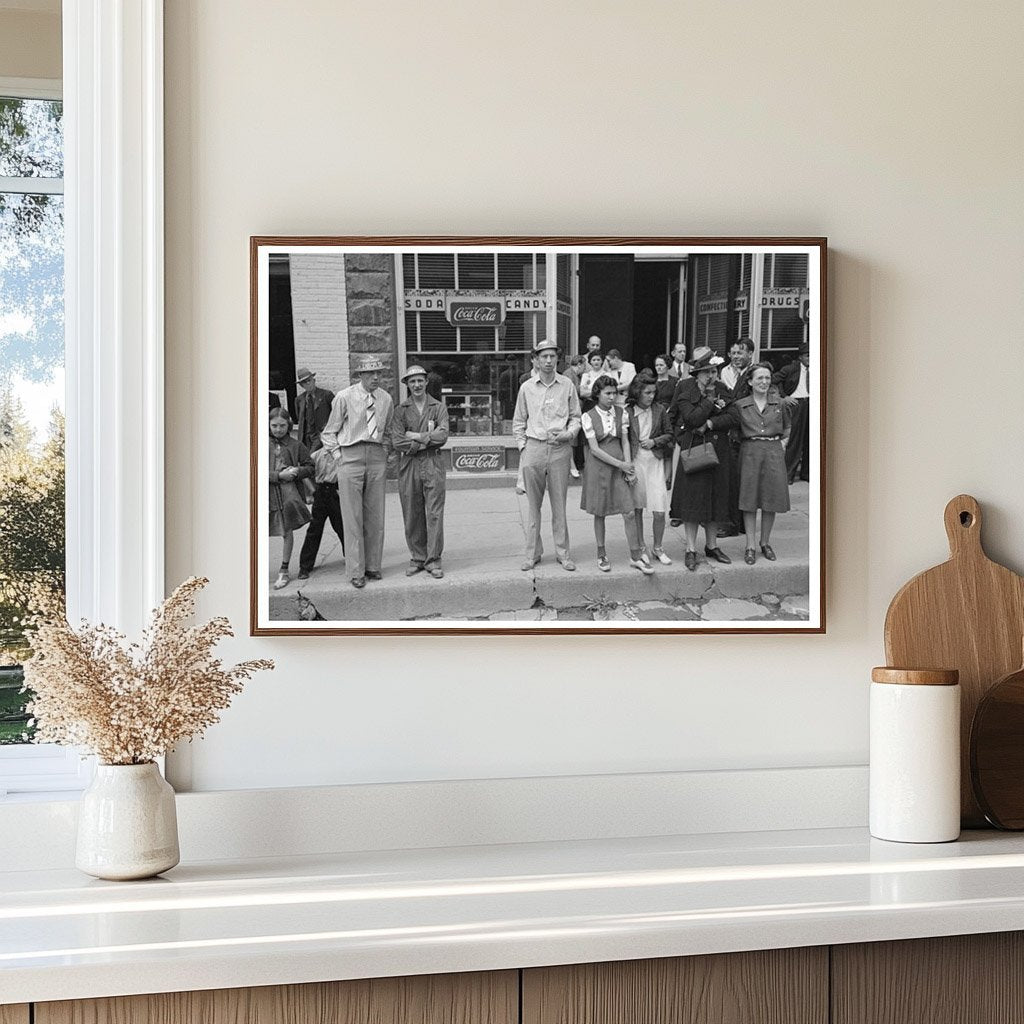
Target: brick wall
(370, 292)
(319, 318)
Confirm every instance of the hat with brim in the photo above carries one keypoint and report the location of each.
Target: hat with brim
(545, 345)
(704, 358)
(413, 371)
(369, 366)
(303, 375)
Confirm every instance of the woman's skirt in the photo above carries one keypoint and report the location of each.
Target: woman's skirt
(763, 479)
(605, 491)
(703, 497)
(650, 472)
(291, 511)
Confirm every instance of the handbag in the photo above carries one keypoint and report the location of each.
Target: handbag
(694, 460)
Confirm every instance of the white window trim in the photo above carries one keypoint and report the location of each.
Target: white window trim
(114, 324)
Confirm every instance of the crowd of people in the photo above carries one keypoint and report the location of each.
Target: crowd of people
(697, 442)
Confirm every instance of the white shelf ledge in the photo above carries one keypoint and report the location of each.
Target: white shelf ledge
(388, 913)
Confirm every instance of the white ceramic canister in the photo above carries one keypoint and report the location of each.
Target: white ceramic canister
(127, 825)
(915, 755)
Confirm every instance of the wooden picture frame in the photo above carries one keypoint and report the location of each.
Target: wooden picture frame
(469, 311)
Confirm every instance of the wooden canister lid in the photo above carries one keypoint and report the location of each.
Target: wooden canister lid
(916, 676)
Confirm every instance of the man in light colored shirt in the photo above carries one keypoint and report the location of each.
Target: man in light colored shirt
(545, 424)
(793, 381)
(358, 436)
(622, 371)
(734, 375)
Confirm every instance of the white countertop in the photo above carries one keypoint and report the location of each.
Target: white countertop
(224, 924)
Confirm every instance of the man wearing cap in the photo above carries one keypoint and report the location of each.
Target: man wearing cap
(545, 424)
(419, 430)
(793, 382)
(313, 407)
(358, 436)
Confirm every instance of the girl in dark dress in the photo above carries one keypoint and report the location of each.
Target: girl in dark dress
(698, 416)
(609, 475)
(290, 461)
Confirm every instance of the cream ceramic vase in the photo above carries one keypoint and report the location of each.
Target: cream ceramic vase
(127, 825)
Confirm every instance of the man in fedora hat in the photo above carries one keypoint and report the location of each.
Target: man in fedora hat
(419, 430)
(545, 424)
(358, 436)
(313, 408)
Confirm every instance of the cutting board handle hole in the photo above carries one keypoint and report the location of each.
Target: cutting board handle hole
(966, 519)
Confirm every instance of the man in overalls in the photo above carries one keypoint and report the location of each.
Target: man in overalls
(419, 430)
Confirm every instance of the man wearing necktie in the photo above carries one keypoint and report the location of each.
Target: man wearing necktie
(358, 436)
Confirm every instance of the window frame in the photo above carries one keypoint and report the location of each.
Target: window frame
(112, 90)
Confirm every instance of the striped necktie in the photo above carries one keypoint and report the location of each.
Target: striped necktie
(371, 418)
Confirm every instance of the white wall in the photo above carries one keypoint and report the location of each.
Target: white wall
(30, 41)
(894, 129)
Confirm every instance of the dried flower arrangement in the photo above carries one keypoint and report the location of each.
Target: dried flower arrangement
(129, 704)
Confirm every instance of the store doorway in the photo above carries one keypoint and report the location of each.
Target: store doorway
(657, 300)
(634, 305)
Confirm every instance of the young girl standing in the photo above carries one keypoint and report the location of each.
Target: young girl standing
(609, 476)
(289, 461)
(650, 439)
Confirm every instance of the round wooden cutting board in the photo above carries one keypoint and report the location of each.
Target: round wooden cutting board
(997, 752)
(968, 614)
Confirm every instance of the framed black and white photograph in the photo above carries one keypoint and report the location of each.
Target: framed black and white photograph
(537, 435)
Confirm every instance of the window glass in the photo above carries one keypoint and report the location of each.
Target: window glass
(31, 386)
(31, 138)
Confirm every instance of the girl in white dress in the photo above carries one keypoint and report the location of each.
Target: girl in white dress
(650, 441)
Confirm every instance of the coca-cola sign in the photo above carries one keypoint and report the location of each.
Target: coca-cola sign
(478, 313)
(478, 460)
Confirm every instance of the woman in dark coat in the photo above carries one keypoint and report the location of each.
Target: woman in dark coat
(698, 416)
(664, 384)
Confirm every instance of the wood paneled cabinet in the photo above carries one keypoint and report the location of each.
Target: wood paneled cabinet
(972, 979)
(429, 999)
(775, 986)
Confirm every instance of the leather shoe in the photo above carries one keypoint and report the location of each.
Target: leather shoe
(437, 572)
(413, 569)
(750, 556)
(675, 522)
(359, 582)
(567, 564)
(372, 574)
(303, 574)
(766, 550)
(529, 564)
(718, 555)
(690, 560)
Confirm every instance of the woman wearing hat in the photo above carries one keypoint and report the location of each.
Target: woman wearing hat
(698, 417)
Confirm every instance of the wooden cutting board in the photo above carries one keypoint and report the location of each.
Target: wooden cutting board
(967, 614)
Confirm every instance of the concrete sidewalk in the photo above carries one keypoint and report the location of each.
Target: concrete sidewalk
(484, 548)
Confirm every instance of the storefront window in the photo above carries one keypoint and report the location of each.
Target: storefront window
(472, 320)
